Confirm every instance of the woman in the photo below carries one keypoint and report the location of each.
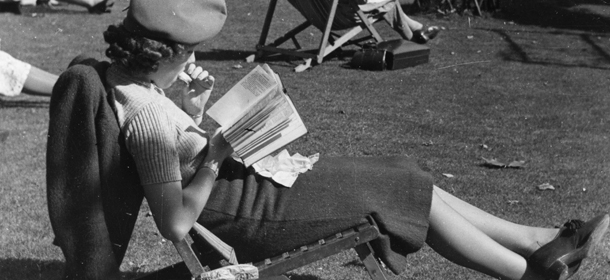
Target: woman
(188, 175)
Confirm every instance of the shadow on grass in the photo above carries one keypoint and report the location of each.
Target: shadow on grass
(23, 103)
(29, 269)
(563, 14)
(354, 264)
(302, 277)
(222, 55)
(519, 53)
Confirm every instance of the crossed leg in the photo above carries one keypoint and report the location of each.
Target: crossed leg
(473, 238)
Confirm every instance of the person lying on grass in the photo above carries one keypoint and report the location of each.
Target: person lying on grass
(188, 174)
(18, 77)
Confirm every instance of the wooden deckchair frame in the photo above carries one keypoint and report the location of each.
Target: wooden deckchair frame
(196, 261)
(330, 41)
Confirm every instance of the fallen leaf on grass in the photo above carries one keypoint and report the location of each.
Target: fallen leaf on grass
(493, 162)
(497, 164)
(546, 186)
(429, 143)
(516, 164)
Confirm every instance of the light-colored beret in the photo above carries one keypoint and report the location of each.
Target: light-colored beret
(181, 21)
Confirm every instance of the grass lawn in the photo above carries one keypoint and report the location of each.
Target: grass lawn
(530, 83)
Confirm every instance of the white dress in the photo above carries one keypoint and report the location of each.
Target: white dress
(13, 73)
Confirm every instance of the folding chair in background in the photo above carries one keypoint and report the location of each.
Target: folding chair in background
(323, 15)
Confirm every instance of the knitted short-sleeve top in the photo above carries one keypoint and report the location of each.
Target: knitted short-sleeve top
(164, 141)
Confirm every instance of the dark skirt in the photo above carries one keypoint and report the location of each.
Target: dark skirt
(260, 218)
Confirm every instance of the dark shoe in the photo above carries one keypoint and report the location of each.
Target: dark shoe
(424, 35)
(46, 3)
(561, 258)
(102, 7)
(38, 10)
(13, 7)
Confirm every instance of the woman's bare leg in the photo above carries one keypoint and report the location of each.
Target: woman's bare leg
(456, 239)
(523, 240)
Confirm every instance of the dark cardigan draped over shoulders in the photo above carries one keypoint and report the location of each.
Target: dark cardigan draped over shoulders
(93, 191)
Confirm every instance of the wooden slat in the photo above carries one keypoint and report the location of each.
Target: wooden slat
(313, 252)
(365, 253)
(189, 257)
(273, 268)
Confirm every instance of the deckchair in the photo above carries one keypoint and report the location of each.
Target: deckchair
(94, 195)
(338, 29)
(200, 254)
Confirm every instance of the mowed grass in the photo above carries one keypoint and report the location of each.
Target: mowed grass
(530, 83)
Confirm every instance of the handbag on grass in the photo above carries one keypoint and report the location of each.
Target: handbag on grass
(390, 55)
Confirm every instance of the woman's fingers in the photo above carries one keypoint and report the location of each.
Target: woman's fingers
(202, 78)
(204, 74)
(190, 68)
(196, 72)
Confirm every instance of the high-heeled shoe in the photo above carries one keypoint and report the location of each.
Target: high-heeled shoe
(561, 258)
(424, 35)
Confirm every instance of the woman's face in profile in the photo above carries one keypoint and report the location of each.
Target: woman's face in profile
(168, 70)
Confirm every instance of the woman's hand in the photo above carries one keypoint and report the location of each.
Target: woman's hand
(219, 149)
(199, 90)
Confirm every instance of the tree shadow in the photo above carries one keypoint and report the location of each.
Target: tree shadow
(277, 58)
(553, 57)
(29, 102)
(222, 55)
(562, 14)
(293, 276)
(30, 269)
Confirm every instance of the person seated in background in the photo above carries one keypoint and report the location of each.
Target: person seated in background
(17, 76)
(408, 28)
(317, 11)
(93, 6)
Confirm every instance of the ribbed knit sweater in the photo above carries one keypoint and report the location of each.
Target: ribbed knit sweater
(164, 141)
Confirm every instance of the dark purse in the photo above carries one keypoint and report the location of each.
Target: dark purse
(390, 55)
(370, 57)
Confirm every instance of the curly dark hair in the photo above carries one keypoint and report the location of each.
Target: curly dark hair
(136, 53)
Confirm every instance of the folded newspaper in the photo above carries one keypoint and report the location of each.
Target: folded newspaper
(231, 272)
